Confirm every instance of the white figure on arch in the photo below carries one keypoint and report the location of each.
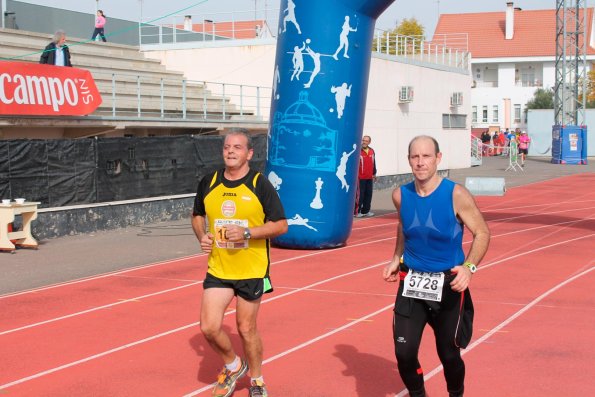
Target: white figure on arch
(298, 61)
(297, 220)
(342, 168)
(316, 201)
(341, 93)
(343, 40)
(276, 80)
(316, 58)
(275, 180)
(290, 16)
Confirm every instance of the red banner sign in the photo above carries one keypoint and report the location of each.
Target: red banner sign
(46, 90)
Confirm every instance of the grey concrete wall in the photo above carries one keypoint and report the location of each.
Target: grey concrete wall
(83, 219)
(539, 128)
(66, 221)
(41, 19)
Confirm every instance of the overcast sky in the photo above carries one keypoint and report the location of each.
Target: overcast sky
(425, 11)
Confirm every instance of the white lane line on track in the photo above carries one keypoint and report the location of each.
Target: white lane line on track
(503, 324)
(320, 252)
(97, 308)
(274, 263)
(99, 276)
(141, 341)
(490, 264)
(305, 344)
(105, 353)
(140, 267)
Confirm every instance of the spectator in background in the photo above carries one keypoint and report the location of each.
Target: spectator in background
(500, 144)
(524, 141)
(99, 26)
(366, 176)
(495, 150)
(485, 140)
(56, 53)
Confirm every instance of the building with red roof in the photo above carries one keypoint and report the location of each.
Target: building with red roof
(513, 53)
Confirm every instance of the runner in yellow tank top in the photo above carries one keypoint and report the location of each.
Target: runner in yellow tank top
(243, 211)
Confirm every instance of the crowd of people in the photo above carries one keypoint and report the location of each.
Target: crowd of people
(498, 143)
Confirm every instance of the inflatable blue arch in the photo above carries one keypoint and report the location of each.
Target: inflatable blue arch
(317, 115)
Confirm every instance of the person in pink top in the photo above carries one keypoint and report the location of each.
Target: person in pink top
(524, 141)
(99, 26)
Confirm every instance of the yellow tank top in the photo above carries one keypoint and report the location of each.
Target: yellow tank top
(241, 206)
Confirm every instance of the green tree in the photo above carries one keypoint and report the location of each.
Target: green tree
(543, 98)
(410, 27)
(405, 37)
(590, 102)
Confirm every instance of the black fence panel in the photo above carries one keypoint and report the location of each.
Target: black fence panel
(28, 176)
(71, 172)
(4, 170)
(67, 172)
(130, 168)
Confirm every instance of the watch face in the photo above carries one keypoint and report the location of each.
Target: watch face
(472, 268)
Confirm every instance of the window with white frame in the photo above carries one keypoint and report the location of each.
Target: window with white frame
(495, 113)
(474, 114)
(517, 113)
(484, 114)
(454, 121)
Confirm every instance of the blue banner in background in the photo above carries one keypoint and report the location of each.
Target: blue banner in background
(317, 115)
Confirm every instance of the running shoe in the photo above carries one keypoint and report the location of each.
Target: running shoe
(257, 389)
(226, 381)
(369, 214)
(359, 215)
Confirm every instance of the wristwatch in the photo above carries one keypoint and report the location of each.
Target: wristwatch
(472, 268)
(247, 234)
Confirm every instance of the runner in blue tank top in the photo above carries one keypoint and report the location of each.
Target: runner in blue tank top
(431, 267)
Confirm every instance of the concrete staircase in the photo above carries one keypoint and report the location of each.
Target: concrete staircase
(130, 84)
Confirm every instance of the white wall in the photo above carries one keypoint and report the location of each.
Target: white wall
(390, 124)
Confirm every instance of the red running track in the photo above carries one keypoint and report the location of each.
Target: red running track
(327, 326)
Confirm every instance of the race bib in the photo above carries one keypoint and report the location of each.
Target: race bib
(423, 285)
(221, 233)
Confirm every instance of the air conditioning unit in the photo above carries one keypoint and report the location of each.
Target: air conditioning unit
(406, 94)
(456, 99)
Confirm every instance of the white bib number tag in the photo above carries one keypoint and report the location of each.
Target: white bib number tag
(423, 285)
(221, 233)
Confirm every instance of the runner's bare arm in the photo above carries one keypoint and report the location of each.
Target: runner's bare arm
(390, 272)
(467, 211)
(198, 223)
(268, 230)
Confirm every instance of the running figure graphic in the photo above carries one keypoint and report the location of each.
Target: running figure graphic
(341, 93)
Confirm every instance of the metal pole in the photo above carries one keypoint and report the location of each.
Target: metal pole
(140, 23)
(3, 11)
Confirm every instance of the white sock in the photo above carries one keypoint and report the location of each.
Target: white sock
(260, 380)
(234, 365)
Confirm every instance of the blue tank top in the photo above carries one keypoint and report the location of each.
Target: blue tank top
(433, 234)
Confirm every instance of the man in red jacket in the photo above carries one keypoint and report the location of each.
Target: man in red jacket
(366, 176)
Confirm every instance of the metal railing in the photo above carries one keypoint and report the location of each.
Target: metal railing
(146, 96)
(417, 48)
(476, 150)
(202, 27)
